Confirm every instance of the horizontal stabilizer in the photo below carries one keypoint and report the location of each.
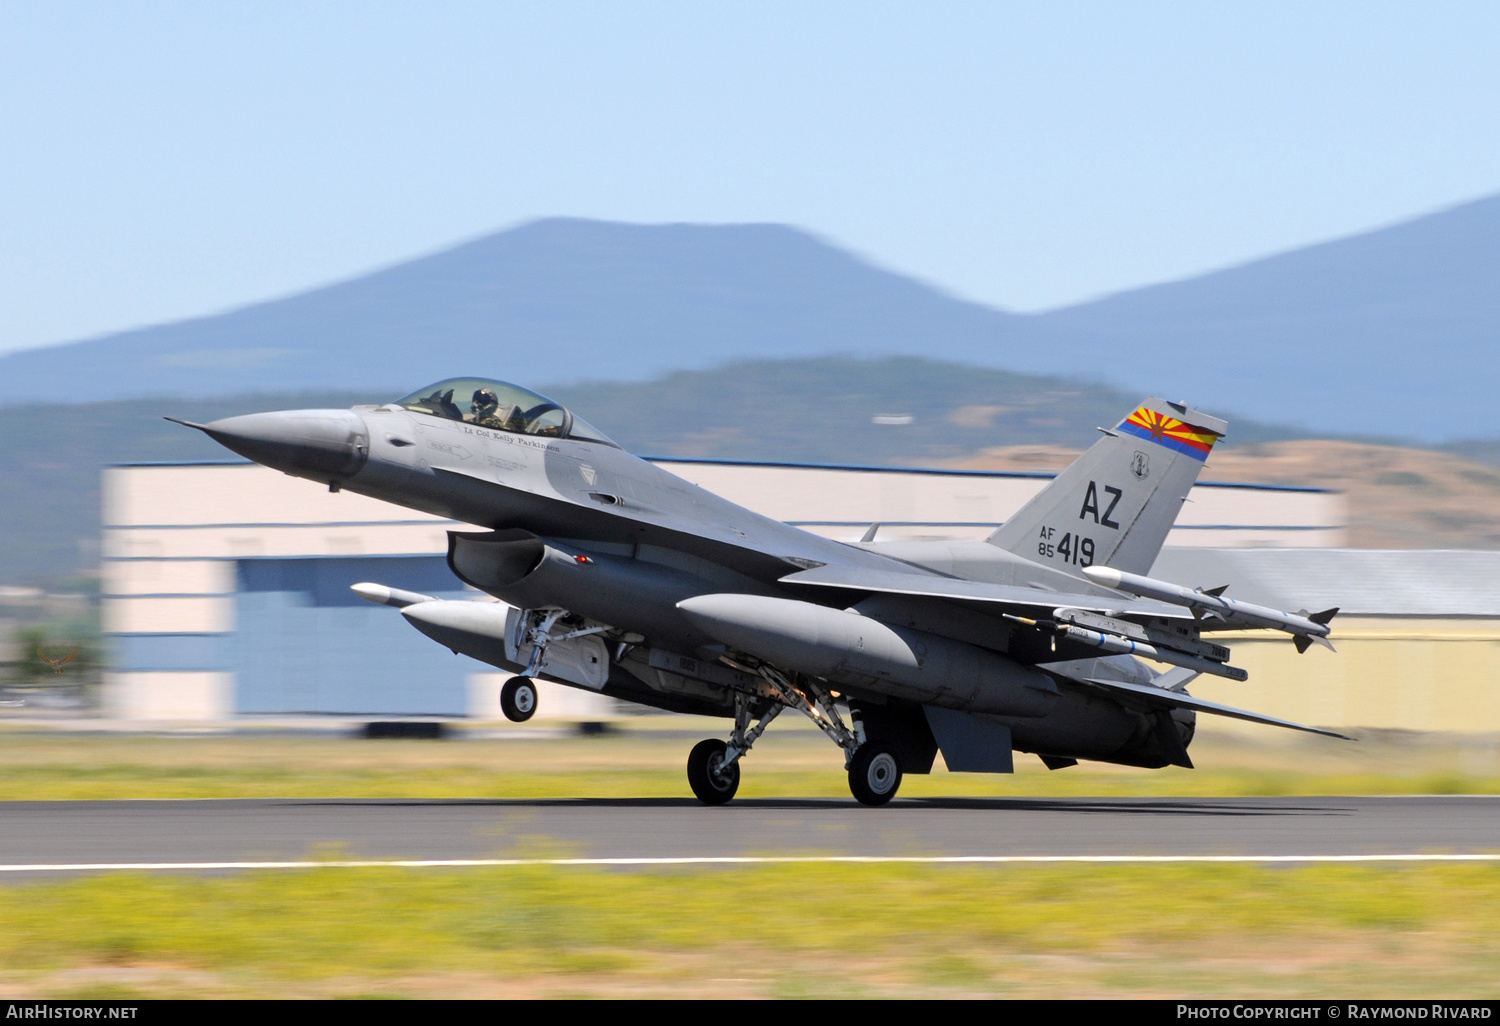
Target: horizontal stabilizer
(1153, 695)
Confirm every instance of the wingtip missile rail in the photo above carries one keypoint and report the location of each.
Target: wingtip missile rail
(1305, 627)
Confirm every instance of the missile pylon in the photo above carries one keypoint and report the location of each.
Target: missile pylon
(1117, 645)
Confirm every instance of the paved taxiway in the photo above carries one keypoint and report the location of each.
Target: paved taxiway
(74, 832)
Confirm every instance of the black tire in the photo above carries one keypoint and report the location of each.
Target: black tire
(712, 788)
(518, 699)
(875, 773)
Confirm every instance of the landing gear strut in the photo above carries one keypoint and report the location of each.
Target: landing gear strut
(713, 767)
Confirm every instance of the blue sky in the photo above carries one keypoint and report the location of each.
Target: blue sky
(166, 160)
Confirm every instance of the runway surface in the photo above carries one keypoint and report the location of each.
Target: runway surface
(258, 830)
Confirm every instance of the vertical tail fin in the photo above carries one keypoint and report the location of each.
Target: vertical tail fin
(1116, 503)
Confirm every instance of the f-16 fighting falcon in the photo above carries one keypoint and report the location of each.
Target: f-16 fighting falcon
(617, 576)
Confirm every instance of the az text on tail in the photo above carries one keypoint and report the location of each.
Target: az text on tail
(1116, 503)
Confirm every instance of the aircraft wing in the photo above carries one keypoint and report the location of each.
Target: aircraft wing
(1017, 598)
(1161, 698)
(1020, 599)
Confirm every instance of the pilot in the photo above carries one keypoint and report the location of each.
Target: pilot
(484, 407)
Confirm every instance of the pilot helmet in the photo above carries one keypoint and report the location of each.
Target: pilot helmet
(484, 401)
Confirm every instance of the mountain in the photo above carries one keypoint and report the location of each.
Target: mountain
(1388, 333)
(555, 300)
(1393, 332)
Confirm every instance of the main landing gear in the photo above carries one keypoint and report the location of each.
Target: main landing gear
(713, 766)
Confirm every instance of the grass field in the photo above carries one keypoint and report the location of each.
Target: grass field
(646, 758)
(1182, 931)
(808, 930)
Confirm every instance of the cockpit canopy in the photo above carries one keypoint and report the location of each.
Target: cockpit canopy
(500, 406)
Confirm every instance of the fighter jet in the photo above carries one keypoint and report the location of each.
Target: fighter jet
(614, 575)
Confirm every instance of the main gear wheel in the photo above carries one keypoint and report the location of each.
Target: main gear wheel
(711, 781)
(874, 773)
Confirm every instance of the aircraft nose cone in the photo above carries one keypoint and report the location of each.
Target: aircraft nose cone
(325, 445)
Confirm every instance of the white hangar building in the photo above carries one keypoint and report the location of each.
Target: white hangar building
(226, 585)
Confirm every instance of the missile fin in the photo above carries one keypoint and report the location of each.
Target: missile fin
(1302, 641)
(1176, 679)
(1325, 616)
(1216, 592)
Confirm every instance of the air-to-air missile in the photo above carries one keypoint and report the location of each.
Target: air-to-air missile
(1121, 644)
(476, 629)
(1304, 626)
(498, 634)
(383, 596)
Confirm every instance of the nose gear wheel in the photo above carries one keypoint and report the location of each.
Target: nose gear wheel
(518, 699)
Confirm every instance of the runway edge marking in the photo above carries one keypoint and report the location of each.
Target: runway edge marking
(734, 860)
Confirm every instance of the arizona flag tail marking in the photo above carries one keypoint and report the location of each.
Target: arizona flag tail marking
(1177, 435)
